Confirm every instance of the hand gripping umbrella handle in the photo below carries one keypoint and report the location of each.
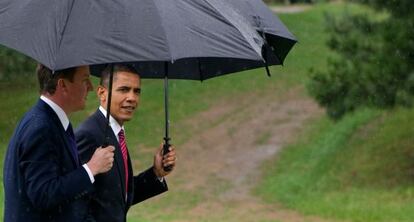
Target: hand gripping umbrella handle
(165, 150)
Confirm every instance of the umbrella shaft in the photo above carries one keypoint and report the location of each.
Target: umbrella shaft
(108, 106)
(166, 108)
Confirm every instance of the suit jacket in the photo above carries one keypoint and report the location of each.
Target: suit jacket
(109, 201)
(42, 179)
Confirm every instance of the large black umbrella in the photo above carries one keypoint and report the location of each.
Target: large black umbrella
(180, 39)
(62, 34)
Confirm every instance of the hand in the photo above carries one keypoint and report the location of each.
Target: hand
(102, 160)
(161, 161)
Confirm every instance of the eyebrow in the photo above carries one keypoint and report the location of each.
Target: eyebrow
(128, 87)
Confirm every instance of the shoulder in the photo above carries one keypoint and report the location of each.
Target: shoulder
(90, 131)
(37, 131)
(92, 124)
(38, 122)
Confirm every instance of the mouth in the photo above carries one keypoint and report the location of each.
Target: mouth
(128, 108)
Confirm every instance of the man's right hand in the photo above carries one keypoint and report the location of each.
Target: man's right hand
(102, 160)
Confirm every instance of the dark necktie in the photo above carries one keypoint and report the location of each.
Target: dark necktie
(74, 148)
(124, 150)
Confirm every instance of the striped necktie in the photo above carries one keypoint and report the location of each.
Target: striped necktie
(124, 149)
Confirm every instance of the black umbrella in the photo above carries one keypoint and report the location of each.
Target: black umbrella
(62, 34)
(181, 39)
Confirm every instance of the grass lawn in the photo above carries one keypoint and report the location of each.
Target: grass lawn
(359, 169)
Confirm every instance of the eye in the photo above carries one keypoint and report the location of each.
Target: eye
(137, 91)
(123, 89)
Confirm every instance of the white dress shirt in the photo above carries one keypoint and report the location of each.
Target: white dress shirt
(116, 128)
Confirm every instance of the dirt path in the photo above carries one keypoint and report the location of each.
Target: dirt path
(240, 135)
(290, 8)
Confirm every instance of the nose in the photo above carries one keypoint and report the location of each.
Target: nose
(90, 86)
(132, 97)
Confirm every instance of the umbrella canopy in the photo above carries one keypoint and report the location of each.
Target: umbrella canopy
(62, 34)
(279, 39)
(180, 39)
(277, 42)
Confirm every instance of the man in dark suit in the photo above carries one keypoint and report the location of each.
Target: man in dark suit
(118, 189)
(43, 178)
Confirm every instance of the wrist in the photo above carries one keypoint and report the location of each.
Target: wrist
(92, 168)
(156, 172)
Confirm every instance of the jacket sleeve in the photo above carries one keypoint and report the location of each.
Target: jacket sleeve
(147, 185)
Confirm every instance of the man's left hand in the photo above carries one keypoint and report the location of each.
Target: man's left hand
(161, 161)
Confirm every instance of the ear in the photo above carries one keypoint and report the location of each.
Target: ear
(102, 94)
(61, 86)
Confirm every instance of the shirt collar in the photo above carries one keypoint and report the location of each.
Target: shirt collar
(59, 111)
(116, 128)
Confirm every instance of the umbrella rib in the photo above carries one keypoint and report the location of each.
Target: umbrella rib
(233, 25)
(164, 30)
(63, 31)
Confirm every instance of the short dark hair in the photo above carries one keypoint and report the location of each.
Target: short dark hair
(48, 79)
(104, 81)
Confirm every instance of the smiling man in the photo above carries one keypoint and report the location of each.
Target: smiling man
(118, 189)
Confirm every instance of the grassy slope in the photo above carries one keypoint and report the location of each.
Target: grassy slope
(359, 169)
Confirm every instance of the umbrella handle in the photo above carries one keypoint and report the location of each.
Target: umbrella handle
(165, 150)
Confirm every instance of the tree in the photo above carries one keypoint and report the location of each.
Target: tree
(374, 65)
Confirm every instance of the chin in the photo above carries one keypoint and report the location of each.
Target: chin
(80, 108)
(126, 118)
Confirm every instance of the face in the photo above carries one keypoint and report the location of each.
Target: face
(126, 89)
(78, 89)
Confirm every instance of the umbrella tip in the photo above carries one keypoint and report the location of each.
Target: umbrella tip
(267, 70)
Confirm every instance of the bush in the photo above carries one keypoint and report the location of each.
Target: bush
(374, 66)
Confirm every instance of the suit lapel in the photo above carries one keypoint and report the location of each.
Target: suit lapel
(119, 163)
(130, 182)
(55, 119)
(118, 153)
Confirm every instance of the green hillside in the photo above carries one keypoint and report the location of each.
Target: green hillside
(359, 169)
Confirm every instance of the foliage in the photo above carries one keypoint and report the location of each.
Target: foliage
(289, 1)
(13, 64)
(374, 63)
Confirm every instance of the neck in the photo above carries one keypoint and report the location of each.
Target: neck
(106, 110)
(59, 101)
